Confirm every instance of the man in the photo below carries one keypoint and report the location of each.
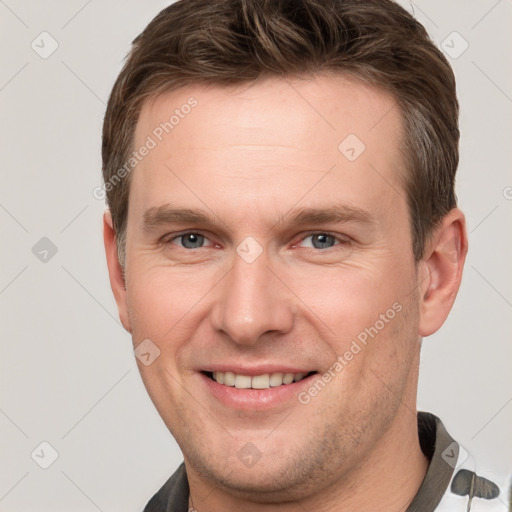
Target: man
(282, 233)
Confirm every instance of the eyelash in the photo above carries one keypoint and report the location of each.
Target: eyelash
(341, 239)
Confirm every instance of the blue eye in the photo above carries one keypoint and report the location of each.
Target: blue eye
(321, 240)
(190, 240)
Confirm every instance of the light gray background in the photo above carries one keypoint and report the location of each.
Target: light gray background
(68, 376)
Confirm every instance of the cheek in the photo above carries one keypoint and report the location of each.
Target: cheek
(351, 299)
(368, 316)
(166, 291)
(162, 300)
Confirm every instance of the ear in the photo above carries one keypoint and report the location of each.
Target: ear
(115, 270)
(441, 271)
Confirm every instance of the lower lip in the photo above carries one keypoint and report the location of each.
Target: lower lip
(256, 399)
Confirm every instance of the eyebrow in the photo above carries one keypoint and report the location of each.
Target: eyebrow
(167, 215)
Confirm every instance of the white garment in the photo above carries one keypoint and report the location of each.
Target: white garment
(451, 502)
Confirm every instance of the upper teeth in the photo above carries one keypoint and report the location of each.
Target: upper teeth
(264, 381)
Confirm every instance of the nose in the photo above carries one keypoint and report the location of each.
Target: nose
(252, 301)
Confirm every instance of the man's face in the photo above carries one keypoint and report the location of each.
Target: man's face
(258, 290)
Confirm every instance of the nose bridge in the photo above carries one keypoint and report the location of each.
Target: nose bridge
(252, 301)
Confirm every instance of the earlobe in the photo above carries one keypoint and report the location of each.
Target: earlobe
(441, 271)
(115, 271)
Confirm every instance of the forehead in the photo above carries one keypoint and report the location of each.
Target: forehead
(274, 137)
(332, 103)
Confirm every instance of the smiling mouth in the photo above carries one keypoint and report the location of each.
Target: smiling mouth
(264, 381)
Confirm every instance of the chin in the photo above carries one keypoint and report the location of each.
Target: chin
(273, 478)
(259, 485)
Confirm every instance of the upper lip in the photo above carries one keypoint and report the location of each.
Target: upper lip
(255, 370)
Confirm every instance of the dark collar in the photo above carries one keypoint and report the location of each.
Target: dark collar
(434, 440)
(173, 496)
(435, 443)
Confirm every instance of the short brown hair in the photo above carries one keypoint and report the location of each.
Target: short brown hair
(228, 42)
